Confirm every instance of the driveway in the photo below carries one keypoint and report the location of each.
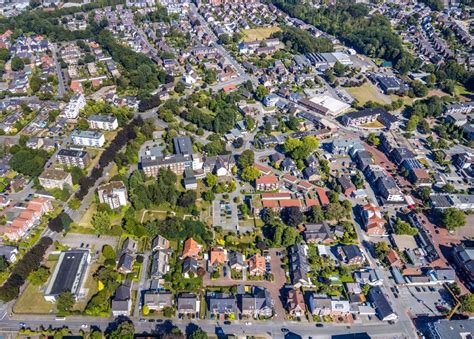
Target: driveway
(75, 240)
(274, 287)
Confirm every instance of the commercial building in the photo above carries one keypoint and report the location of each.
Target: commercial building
(88, 138)
(55, 178)
(113, 194)
(362, 117)
(463, 255)
(68, 275)
(103, 122)
(444, 328)
(72, 157)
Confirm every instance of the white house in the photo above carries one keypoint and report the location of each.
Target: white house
(77, 102)
(113, 194)
(87, 138)
(103, 122)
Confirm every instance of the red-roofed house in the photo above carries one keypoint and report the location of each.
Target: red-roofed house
(311, 202)
(276, 196)
(191, 249)
(305, 186)
(323, 198)
(393, 259)
(290, 180)
(267, 183)
(76, 87)
(263, 169)
(256, 265)
(290, 203)
(373, 221)
(217, 256)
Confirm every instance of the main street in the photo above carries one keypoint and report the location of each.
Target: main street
(268, 328)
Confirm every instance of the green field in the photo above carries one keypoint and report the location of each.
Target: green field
(368, 92)
(260, 33)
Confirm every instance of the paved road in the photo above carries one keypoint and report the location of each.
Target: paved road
(141, 283)
(270, 329)
(59, 72)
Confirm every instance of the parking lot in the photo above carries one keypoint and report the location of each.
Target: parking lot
(424, 300)
(88, 241)
(225, 214)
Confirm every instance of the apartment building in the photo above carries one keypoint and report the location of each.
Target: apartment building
(113, 194)
(55, 178)
(77, 102)
(72, 157)
(103, 122)
(88, 138)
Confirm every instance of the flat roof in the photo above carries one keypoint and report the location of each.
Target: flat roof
(68, 272)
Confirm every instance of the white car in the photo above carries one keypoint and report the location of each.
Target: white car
(248, 323)
(84, 326)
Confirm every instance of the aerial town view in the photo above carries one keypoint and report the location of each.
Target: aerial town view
(192, 169)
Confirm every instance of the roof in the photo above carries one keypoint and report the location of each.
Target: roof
(380, 302)
(191, 248)
(54, 174)
(323, 198)
(217, 256)
(183, 145)
(72, 153)
(351, 251)
(364, 113)
(454, 328)
(70, 267)
(188, 302)
(266, 180)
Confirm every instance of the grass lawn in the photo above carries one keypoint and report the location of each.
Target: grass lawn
(260, 33)
(87, 217)
(461, 90)
(375, 124)
(368, 92)
(32, 301)
(406, 99)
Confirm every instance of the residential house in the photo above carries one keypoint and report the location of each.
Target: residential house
(191, 249)
(463, 255)
(389, 189)
(157, 301)
(236, 261)
(10, 253)
(346, 185)
(222, 305)
(319, 304)
(374, 223)
(318, 233)
(368, 277)
(122, 301)
(299, 267)
(217, 256)
(88, 138)
(77, 102)
(189, 305)
(256, 265)
(351, 254)
(190, 267)
(267, 183)
(160, 263)
(160, 243)
(393, 259)
(256, 304)
(295, 303)
(126, 257)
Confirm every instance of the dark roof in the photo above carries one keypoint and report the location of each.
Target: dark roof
(183, 145)
(222, 303)
(345, 182)
(70, 267)
(187, 302)
(190, 265)
(123, 291)
(126, 261)
(380, 302)
(351, 251)
(72, 153)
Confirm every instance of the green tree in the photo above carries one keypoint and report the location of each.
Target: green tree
(467, 303)
(179, 87)
(261, 92)
(412, 123)
(65, 302)
(211, 180)
(453, 218)
(289, 236)
(39, 277)
(74, 204)
(246, 159)
(125, 330)
(108, 252)
(402, 227)
(250, 173)
(101, 222)
(198, 334)
(35, 83)
(17, 64)
(373, 139)
(381, 250)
